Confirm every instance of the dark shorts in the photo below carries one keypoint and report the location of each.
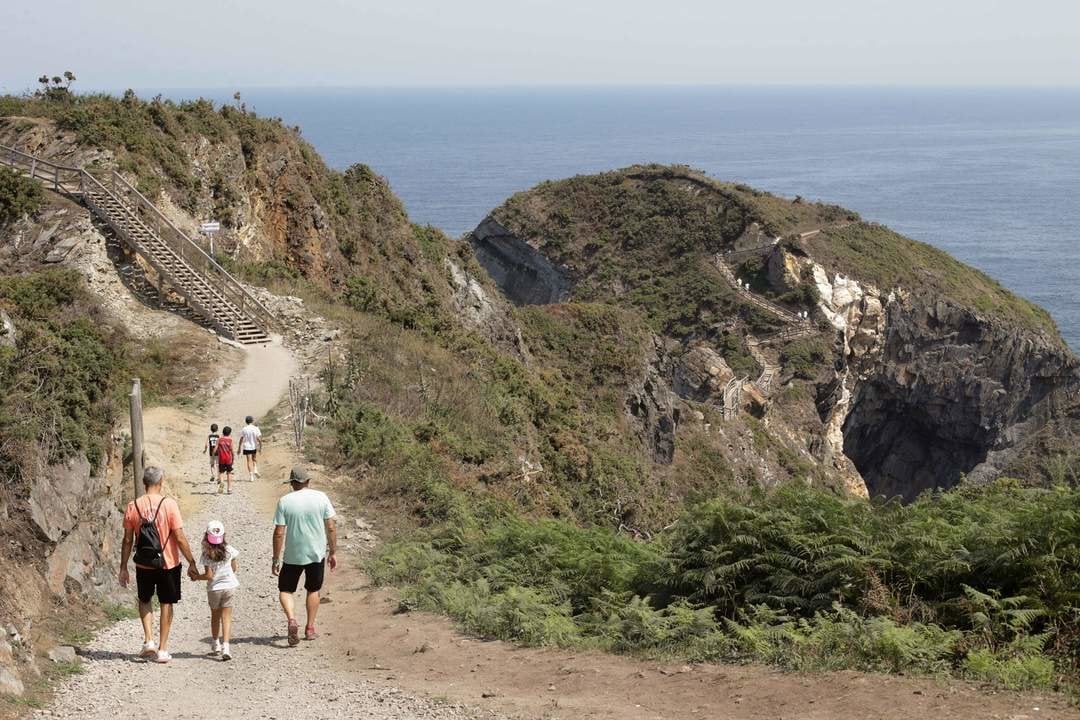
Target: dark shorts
(166, 583)
(250, 452)
(289, 578)
(224, 467)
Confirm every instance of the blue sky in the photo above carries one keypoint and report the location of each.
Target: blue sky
(233, 43)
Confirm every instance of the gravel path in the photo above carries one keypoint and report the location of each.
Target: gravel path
(266, 678)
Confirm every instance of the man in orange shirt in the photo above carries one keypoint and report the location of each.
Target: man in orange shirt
(161, 541)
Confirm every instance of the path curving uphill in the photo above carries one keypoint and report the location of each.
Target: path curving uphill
(266, 678)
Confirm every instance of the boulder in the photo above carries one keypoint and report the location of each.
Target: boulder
(784, 271)
(701, 374)
(56, 496)
(9, 684)
(62, 249)
(63, 654)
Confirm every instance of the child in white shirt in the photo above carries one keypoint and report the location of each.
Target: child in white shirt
(219, 566)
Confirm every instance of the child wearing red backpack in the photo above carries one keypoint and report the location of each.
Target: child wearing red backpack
(225, 458)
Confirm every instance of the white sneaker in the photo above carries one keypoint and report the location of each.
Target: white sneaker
(162, 657)
(255, 473)
(217, 646)
(226, 654)
(149, 650)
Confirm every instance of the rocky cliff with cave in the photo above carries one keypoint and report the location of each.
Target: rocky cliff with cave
(912, 372)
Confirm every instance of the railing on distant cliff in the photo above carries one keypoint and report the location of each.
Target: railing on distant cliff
(731, 255)
(780, 312)
(733, 397)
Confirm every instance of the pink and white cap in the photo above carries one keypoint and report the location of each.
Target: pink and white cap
(215, 532)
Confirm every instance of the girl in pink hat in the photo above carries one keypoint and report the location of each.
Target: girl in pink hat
(219, 566)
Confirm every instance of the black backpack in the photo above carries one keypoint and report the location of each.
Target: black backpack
(149, 550)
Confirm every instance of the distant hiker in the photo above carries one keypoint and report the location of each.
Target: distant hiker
(219, 568)
(305, 542)
(250, 444)
(154, 528)
(211, 449)
(225, 457)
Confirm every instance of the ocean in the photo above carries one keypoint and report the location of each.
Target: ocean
(990, 175)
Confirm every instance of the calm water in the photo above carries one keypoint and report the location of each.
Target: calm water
(992, 176)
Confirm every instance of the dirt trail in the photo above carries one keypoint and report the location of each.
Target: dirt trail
(374, 663)
(266, 678)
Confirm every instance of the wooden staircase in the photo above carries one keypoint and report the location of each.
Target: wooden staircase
(796, 326)
(179, 261)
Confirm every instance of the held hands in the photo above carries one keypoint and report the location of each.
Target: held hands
(193, 573)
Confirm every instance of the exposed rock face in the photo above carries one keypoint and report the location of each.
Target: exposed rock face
(951, 395)
(524, 274)
(701, 375)
(784, 270)
(928, 391)
(651, 405)
(9, 684)
(485, 312)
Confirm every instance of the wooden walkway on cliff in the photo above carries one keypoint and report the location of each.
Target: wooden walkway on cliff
(796, 327)
(179, 261)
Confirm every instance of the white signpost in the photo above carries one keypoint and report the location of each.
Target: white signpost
(209, 229)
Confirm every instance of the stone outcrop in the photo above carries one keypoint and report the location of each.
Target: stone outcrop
(952, 395)
(484, 311)
(650, 405)
(701, 375)
(521, 271)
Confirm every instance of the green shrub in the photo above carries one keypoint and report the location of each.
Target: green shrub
(1016, 672)
(977, 582)
(60, 377)
(804, 357)
(19, 196)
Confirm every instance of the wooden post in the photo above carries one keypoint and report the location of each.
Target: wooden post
(135, 402)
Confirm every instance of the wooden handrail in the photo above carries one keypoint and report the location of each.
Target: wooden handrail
(246, 301)
(132, 202)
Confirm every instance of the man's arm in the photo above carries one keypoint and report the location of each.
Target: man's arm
(279, 548)
(125, 555)
(331, 542)
(185, 549)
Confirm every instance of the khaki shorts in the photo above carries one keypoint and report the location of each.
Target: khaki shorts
(219, 599)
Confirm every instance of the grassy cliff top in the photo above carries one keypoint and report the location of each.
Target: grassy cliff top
(646, 234)
(876, 254)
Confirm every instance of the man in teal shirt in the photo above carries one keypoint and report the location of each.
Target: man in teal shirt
(304, 529)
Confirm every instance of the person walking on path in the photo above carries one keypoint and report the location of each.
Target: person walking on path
(305, 542)
(225, 457)
(250, 444)
(154, 528)
(219, 565)
(211, 449)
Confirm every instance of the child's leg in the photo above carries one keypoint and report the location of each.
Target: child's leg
(215, 623)
(226, 624)
(228, 480)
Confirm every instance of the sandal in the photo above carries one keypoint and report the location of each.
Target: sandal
(294, 634)
(309, 633)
